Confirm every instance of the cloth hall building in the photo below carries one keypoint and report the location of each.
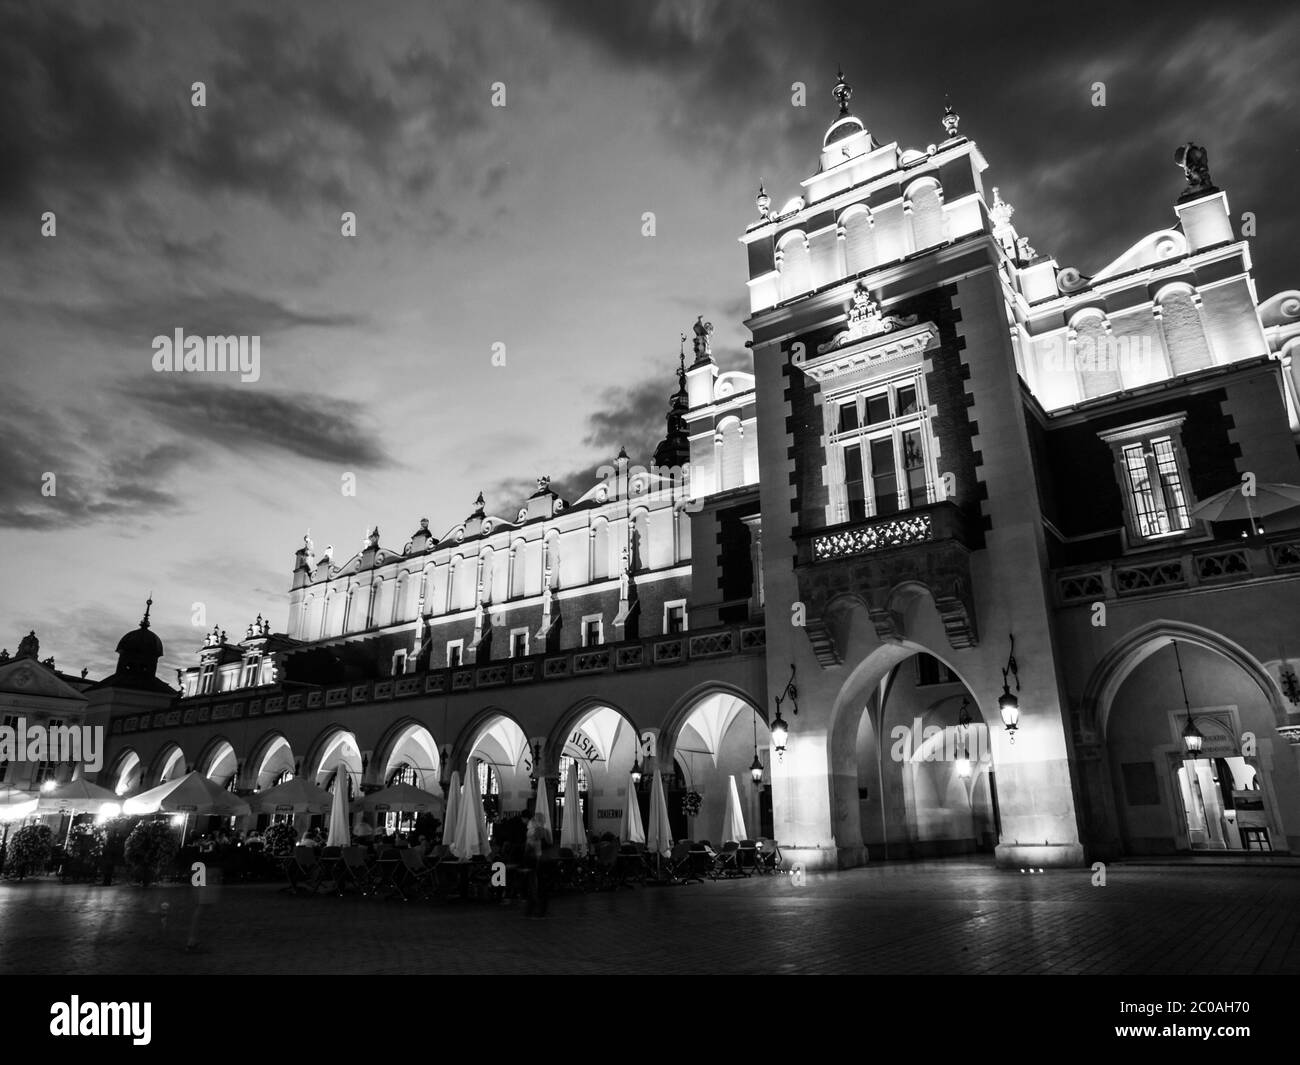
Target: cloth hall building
(1021, 534)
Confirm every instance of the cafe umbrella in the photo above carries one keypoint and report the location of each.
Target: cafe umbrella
(631, 829)
(299, 795)
(658, 834)
(453, 809)
(406, 798)
(733, 822)
(572, 832)
(78, 796)
(542, 805)
(191, 794)
(471, 826)
(1233, 504)
(338, 831)
(16, 805)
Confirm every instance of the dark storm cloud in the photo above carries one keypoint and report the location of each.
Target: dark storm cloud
(1087, 181)
(291, 115)
(251, 419)
(94, 480)
(220, 313)
(70, 117)
(633, 418)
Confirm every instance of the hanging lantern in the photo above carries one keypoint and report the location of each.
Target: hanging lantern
(756, 770)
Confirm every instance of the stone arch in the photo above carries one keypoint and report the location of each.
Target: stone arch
(219, 757)
(333, 743)
(270, 756)
(407, 736)
(1135, 647)
(168, 764)
(125, 773)
(794, 263)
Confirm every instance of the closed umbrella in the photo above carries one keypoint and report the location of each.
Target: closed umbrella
(1232, 504)
(631, 830)
(298, 795)
(338, 831)
(658, 833)
(471, 826)
(733, 822)
(572, 833)
(542, 805)
(453, 809)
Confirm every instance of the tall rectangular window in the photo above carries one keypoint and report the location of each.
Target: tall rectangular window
(455, 653)
(885, 450)
(1155, 488)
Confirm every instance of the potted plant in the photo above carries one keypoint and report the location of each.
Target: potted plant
(29, 850)
(151, 848)
(279, 838)
(691, 803)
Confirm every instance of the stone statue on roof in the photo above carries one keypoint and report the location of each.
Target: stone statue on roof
(703, 333)
(1195, 162)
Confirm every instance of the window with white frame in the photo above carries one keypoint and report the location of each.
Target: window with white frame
(519, 643)
(455, 653)
(881, 449)
(593, 630)
(252, 671)
(1151, 467)
(399, 663)
(674, 617)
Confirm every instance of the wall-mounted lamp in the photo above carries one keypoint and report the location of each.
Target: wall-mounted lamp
(1008, 704)
(780, 730)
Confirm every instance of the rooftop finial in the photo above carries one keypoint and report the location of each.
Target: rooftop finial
(764, 203)
(950, 119)
(148, 605)
(843, 91)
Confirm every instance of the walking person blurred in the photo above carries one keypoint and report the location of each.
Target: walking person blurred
(537, 840)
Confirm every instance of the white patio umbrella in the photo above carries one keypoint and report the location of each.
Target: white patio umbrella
(658, 833)
(453, 809)
(1232, 504)
(631, 830)
(471, 826)
(75, 797)
(404, 797)
(191, 794)
(542, 805)
(733, 822)
(572, 832)
(299, 795)
(338, 832)
(16, 805)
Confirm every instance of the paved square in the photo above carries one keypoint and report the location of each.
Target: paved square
(940, 917)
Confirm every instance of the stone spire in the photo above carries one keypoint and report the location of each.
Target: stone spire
(675, 448)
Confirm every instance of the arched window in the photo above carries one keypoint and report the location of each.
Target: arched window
(404, 774)
(283, 778)
(401, 820)
(352, 787)
(489, 786)
(733, 455)
(600, 551)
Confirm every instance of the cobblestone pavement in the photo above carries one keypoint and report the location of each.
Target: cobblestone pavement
(939, 917)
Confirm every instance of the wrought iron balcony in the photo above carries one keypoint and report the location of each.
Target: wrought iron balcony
(932, 523)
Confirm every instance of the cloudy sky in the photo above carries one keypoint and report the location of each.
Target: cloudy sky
(479, 226)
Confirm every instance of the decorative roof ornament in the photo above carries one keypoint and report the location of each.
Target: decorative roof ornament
(843, 92)
(424, 524)
(1000, 211)
(1024, 251)
(372, 539)
(764, 203)
(703, 333)
(865, 320)
(1195, 162)
(148, 605)
(950, 120)
(29, 646)
(544, 483)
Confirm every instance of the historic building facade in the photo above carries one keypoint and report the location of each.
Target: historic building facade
(996, 492)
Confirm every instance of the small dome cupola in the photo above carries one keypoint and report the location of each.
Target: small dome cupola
(845, 124)
(139, 650)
